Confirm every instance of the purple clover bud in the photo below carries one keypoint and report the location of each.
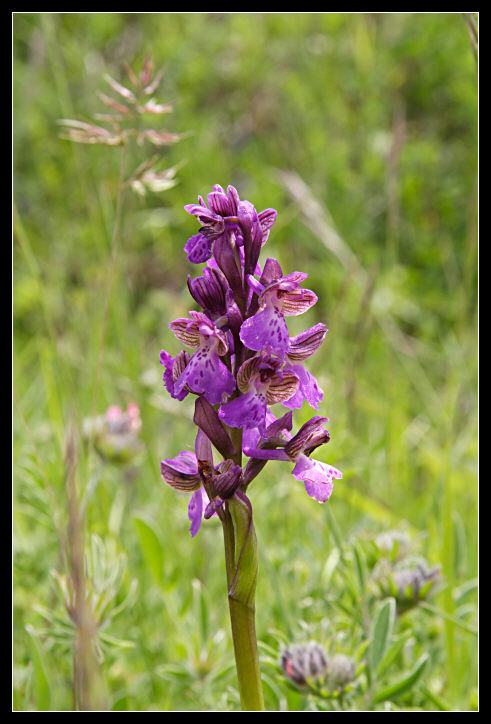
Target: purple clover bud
(304, 662)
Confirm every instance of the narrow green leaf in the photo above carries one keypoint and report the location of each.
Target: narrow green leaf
(381, 633)
(152, 550)
(392, 653)
(404, 684)
(41, 682)
(200, 609)
(360, 566)
(437, 701)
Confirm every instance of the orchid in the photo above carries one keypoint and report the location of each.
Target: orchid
(243, 362)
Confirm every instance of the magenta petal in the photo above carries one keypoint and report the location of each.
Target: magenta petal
(319, 491)
(206, 374)
(268, 330)
(184, 462)
(247, 411)
(195, 511)
(198, 249)
(308, 389)
(317, 476)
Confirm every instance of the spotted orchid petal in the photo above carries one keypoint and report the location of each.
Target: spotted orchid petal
(308, 389)
(317, 476)
(205, 373)
(198, 248)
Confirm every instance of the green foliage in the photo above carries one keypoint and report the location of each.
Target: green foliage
(361, 130)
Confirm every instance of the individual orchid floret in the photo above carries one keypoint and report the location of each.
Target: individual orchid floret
(181, 473)
(317, 476)
(283, 296)
(193, 472)
(262, 383)
(205, 373)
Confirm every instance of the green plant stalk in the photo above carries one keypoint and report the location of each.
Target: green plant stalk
(241, 566)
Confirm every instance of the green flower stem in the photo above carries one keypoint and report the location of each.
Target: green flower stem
(241, 565)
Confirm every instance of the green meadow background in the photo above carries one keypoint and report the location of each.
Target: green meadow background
(361, 130)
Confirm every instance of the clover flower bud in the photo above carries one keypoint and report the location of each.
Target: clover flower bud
(304, 662)
(341, 670)
(115, 434)
(412, 585)
(392, 544)
(409, 583)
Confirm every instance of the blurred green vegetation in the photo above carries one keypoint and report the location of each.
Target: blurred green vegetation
(361, 130)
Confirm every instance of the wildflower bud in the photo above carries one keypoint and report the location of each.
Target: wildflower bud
(412, 585)
(304, 662)
(409, 583)
(341, 670)
(115, 434)
(392, 544)
(209, 291)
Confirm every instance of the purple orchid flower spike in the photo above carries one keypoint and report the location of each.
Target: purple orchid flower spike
(243, 363)
(245, 360)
